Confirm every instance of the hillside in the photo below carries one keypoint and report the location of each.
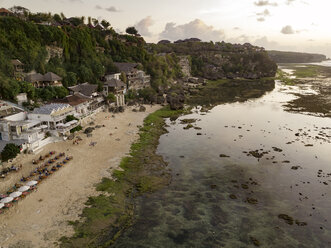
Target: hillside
(221, 60)
(294, 57)
(73, 50)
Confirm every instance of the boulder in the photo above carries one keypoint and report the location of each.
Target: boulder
(142, 108)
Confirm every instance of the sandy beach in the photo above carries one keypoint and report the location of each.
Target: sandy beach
(42, 218)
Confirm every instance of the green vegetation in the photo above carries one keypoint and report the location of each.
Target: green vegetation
(222, 60)
(76, 129)
(111, 97)
(131, 30)
(295, 57)
(229, 90)
(86, 53)
(10, 151)
(308, 71)
(110, 213)
(70, 118)
(285, 77)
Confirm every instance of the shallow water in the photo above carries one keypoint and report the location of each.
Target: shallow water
(196, 209)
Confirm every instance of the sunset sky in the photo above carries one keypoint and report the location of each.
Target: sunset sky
(294, 25)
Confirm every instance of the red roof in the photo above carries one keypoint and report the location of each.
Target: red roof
(3, 10)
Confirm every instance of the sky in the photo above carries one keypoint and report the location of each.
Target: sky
(287, 25)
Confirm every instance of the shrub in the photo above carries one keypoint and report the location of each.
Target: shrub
(10, 151)
(76, 129)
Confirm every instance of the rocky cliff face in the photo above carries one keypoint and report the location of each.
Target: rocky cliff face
(223, 60)
(294, 57)
(184, 63)
(53, 51)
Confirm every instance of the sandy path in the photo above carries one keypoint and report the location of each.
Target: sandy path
(41, 218)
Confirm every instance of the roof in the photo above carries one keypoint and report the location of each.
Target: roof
(16, 142)
(86, 89)
(49, 108)
(36, 77)
(73, 100)
(3, 10)
(115, 83)
(126, 67)
(16, 62)
(51, 77)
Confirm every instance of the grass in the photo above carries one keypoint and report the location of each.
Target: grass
(229, 90)
(285, 77)
(106, 217)
(309, 71)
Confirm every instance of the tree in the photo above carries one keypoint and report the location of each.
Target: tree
(105, 24)
(111, 97)
(10, 151)
(131, 30)
(95, 21)
(19, 10)
(57, 18)
(70, 118)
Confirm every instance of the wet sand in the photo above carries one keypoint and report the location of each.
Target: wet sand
(42, 218)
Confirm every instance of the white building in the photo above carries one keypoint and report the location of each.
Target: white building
(51, 115)
(19, 130)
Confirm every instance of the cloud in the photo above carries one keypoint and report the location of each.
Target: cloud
(265, 42)
(287, 30)
(261, 19)
(196, 29)
(261, 3)
(112, 9)
(144, 25)
(109, 9)
(266, 12)
(289, 2)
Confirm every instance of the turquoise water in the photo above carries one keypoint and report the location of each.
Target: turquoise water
(236, 201)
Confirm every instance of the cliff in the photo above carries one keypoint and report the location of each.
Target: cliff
(294, 57)
(221, 60)
(75, 51)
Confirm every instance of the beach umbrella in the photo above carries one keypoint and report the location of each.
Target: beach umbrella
(15, 194)
(2, 205)
(7, 200)
(23, 188)
(31, 183)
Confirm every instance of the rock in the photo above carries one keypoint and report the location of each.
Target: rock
(255, 241)
(233, 197)
(277, 149)
(142, 108)
(188, 127)
(300, 223)
(88, 130)
(71, 136)
(213, 186)
(187, 121)
(199, 133)
(224, 156)
(134, 110)
(295, 167)
(121, 109)
(244, 186)
(288, 219)
(251, 200)
(197, 128)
